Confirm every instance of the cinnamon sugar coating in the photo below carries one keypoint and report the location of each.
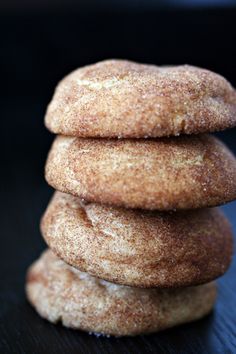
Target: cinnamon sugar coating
(61, 293)
(138, 248)
(185, 172)
(119, 98)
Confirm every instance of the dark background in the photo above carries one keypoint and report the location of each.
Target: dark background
(40, 42)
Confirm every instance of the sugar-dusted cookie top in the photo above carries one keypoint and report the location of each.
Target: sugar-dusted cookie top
(119, 98)
(185, 172)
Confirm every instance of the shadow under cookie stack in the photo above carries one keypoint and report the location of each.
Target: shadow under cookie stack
(134, 239)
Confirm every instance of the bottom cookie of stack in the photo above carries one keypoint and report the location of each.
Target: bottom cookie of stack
(59, 292)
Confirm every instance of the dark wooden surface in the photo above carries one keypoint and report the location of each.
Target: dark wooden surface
(36, 50)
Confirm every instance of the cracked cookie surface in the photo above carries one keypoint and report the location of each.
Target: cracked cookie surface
(136, 247)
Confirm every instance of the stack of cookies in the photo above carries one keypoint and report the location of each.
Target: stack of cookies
(134, 244)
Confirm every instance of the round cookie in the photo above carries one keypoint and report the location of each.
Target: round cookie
(61, 293)
(139, 248)
(184, 172)
(118, 98)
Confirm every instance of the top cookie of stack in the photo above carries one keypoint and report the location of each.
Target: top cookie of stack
(122, 99)
(118, 98)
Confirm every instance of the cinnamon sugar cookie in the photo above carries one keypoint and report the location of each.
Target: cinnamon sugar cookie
(138, 248)
(61, 293)
(119, 98)
(184, 172)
